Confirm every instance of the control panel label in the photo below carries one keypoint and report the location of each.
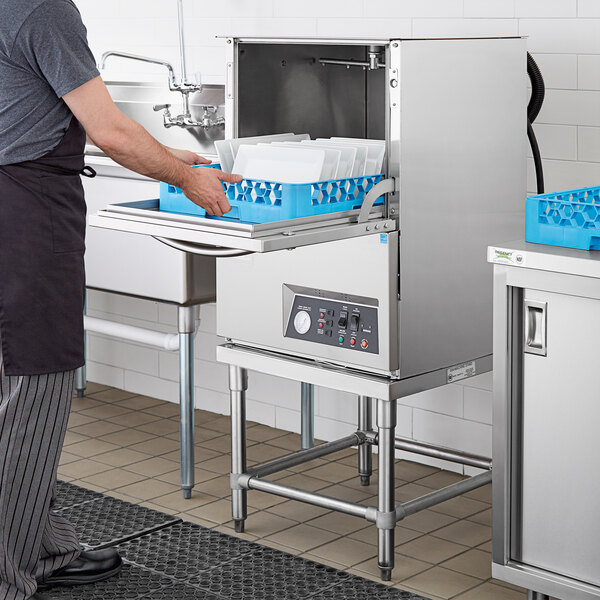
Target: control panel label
(458, 372)
(334, 323)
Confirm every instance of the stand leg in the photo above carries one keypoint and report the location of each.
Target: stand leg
(238, 384)
(80, 374)
(186, 318)
(365, 451)
(537, 596)
(80, 381)
(386, 424)
(308, 415)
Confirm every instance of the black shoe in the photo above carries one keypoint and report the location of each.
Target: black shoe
(89, 567)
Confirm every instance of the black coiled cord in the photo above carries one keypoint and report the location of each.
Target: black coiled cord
(538, 91)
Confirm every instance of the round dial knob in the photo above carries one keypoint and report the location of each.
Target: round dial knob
(302, 322)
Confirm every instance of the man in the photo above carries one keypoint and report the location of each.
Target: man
(51, 95)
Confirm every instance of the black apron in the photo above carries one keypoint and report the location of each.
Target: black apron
(42, 275)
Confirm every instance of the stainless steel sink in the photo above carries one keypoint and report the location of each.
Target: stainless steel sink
(137, 100)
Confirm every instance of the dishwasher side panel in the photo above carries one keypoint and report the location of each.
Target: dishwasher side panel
(461, 160)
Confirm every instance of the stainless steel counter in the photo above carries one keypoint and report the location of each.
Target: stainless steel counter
(546, 525)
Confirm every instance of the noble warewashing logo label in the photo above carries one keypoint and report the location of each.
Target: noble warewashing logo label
(507, 257)
(461, 371)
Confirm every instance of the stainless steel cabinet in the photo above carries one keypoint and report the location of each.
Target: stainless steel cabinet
(561, 462)
(546, 421)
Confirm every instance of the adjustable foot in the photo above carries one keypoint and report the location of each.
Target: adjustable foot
(386, 574)
(239, 526)
(80, 393)
(365, 480)
(187, 492)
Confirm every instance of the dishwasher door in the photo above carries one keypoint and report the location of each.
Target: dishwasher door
(221, 237)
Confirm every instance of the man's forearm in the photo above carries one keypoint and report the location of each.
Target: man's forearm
(129, 144)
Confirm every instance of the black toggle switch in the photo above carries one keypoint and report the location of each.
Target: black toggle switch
(343, 319)
(354, 322)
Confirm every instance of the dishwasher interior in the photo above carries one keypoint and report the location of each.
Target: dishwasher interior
(413, 302)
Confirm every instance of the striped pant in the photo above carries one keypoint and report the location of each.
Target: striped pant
(34, 540)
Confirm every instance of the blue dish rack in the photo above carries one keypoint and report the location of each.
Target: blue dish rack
(570, 219)
(254, 201)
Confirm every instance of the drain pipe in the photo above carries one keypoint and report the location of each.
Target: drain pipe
(166, 341)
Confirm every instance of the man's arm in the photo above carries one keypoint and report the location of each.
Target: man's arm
(129, 144)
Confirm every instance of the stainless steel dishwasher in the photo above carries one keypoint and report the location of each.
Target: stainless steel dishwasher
(384, 301)
(546, 520)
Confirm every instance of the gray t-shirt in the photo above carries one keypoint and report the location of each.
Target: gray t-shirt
(44, 54)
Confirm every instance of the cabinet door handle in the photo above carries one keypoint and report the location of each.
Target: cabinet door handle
(535, 327)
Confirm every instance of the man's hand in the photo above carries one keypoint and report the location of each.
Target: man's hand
(189, 158)
(203, 187)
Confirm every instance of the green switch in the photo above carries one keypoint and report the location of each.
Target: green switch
(341, 339)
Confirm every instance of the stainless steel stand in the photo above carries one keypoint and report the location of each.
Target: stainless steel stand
(387, 513)
(386, 425)
(238, 384)
(80, 374)
(186, 322)
(186, 318)
(365, 451)
(307, 415)
(81, 378)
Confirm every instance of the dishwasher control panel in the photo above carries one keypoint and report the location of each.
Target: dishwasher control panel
(344, 324)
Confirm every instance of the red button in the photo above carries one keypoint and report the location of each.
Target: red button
(320, 325)
(322, 315)
(353, 342)
(364, 343)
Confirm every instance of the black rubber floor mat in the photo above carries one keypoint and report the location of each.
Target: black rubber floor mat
(184, 550)
(169, 559)
(357, 588)
(132, 583)
(69, 495)
(108, 521)
(268, 574)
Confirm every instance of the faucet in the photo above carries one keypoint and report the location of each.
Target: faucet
(156, 61)
(184, 87)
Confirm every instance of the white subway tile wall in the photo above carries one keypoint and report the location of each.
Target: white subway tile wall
(563, 36)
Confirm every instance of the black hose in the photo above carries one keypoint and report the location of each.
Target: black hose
(537, 159)
(538, 91)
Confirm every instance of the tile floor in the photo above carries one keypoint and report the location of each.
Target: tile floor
(127, 446)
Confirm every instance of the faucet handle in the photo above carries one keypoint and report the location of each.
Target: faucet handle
(158, 107)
